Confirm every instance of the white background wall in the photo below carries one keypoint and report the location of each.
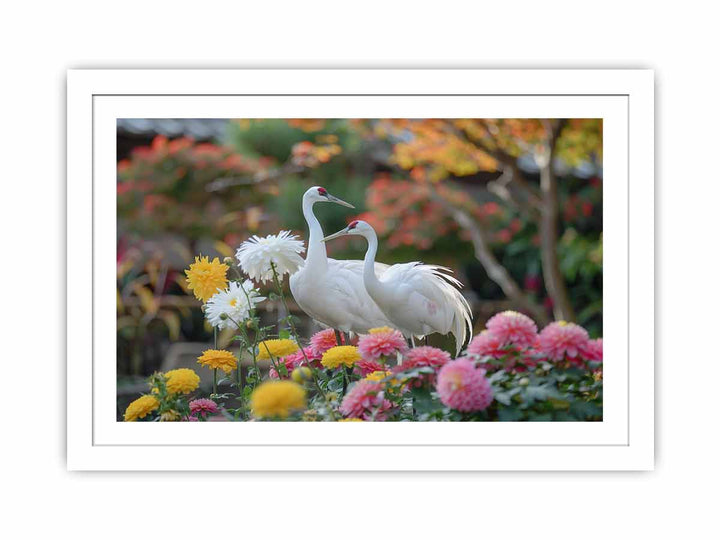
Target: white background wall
(38, 42)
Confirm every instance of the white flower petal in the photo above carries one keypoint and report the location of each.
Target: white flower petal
(258, 253)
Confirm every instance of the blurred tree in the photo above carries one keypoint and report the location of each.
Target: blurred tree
(432, 150)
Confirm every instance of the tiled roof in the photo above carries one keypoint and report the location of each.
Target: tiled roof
(197, 128)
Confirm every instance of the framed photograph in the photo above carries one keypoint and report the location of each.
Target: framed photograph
(364, 270)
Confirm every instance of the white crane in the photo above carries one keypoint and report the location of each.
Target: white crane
(332, 291)
(418, 299)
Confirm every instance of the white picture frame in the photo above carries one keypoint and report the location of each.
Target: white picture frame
(624, 440)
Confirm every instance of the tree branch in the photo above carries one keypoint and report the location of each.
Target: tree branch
(484, 254)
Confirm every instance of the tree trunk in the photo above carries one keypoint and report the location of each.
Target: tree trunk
(554, 282)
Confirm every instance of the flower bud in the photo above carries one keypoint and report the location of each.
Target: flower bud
(301, 374)
(524, 381)
(229, 261)
(223, 316)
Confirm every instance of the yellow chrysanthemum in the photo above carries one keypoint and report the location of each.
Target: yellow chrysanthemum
(351, 420)
(170, 416)
(345, 355)
(140, 408)
(204, 278)
(276, 347)
(380, 330)
(277, 399)
(181, 381)
(218, 359)
(377, 375)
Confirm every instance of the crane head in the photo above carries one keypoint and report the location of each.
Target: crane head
(320, 194)
(355, 228)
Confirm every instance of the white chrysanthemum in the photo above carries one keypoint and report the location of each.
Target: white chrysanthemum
(232, 302)
(256, 255)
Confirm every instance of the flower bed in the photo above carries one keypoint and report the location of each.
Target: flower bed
(508, 372)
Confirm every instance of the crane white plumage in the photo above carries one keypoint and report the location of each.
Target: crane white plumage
(332, 291)
(418, 299)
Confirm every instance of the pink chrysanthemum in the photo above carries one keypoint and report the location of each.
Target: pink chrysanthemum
(486, 344)
(560, 340)
(296, 359)
(368, 366)
(366, 400)
(423, 357)
(324, 340)
(381, 344)
(463, 387)
(511, 327)
(594, 350)
(203, 407)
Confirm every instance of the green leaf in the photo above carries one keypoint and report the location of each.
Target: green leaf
(509, 415)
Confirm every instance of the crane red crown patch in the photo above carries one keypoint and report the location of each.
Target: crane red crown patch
(322, 191)
(353, 225)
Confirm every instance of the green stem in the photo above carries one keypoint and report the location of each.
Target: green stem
(255, 333)
(215, 381)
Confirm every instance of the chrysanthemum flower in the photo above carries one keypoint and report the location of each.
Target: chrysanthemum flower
(324, 340)
(594, 350)
(203, 407)
(368, 366)
(257, 255)
(486, 344)
(295, 360)
(345, 355)
(379, 345)
(381, 330)
(560, 340)
(511, 327)
(463, 387)
(277, 399)
(351, 420)
(423, 357)
(226, 308)
(514, 357)
(205, 278)
(181, 381)
(277, 348)
(377, 376)
(218, 359)
(140, 408)
(366, 400)
(170, 416)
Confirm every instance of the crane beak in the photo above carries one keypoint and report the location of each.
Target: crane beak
(331, 198)
(336, 235)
